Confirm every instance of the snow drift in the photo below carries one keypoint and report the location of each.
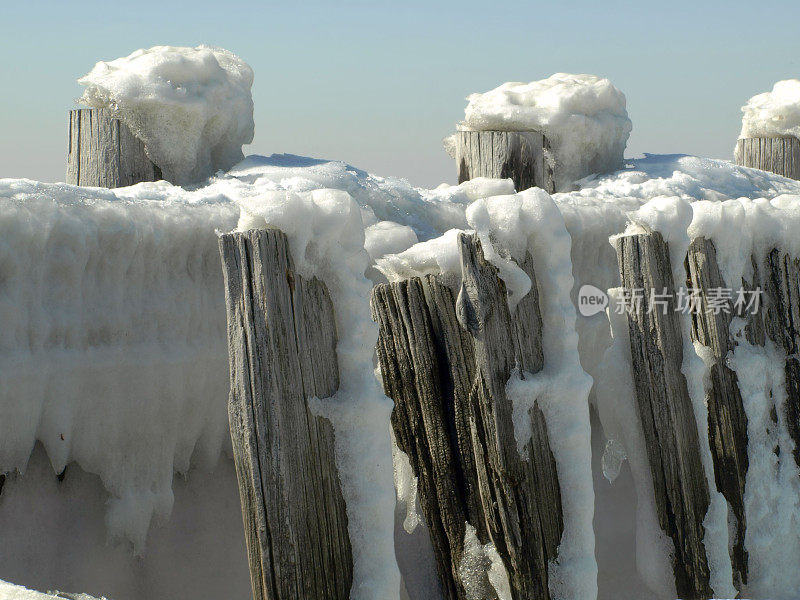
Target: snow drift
(192, 107)
(583, 116)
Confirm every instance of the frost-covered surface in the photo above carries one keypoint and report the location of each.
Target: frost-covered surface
(112, 341)
(9, 591)
(112, 334)
(192, 107)
(775, 113)
(481, 569)
(583, 116)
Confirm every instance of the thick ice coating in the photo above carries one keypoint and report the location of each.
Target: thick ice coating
(583, 116)
(192, 107)
(775, 113)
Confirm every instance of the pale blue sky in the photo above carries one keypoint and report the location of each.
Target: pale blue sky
(379, 84)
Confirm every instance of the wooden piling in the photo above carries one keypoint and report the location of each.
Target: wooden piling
(445, 358)
(282, 348)
(665, 409)
(522, 156)
(103, 152)
(781, 284)
(779, 155)
(727, 420)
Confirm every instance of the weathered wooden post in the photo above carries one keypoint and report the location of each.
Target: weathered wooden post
(522, 156)
(446, 357)
(282, 348)
(779, 155)
(104, 152)
(782, 324)
(727, 420)
(665, 409)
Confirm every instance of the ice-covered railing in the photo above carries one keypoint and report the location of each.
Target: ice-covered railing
(770, 136)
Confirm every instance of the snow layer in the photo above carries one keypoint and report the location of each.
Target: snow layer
(9, 591)
(583, 116)
(192, 107)
(775, 113)
(112, 340)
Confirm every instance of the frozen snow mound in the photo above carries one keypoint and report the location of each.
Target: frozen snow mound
(9, 591)
(583, 116)
(773, 114)
(192, 107)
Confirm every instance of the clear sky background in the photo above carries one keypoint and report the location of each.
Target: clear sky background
(380, 84)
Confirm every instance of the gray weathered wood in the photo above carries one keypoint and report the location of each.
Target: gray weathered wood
(781, 285)
(519, 155)
(779, 155)
(282, 348)
(445, 357)
(665, 410)
(103, 152)
(727, 420)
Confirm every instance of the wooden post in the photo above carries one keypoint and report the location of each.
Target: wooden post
(445, 361)
(727, 420)
(777, 155)
(519, 155)
(782, 325)
(103, 152)
(282, 347)
(665, 409)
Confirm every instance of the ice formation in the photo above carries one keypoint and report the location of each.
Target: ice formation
(583, 116)
(10, 591)
(192, 107)
(775, 113)
(481, 570)
(112, 335)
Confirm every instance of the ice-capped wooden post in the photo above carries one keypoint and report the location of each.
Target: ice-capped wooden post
(445, 358)
(779, 155)
(522, 156)
(104, 152)
(282, 350)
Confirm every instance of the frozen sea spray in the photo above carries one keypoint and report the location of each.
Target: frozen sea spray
(583, 116)
(192, 107)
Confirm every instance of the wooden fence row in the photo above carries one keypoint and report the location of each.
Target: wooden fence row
(445, 355)
(104, 152)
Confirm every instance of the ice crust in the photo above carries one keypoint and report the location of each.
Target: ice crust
(775, 113)
(192, 107)
(583, 116)
(112, 335)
